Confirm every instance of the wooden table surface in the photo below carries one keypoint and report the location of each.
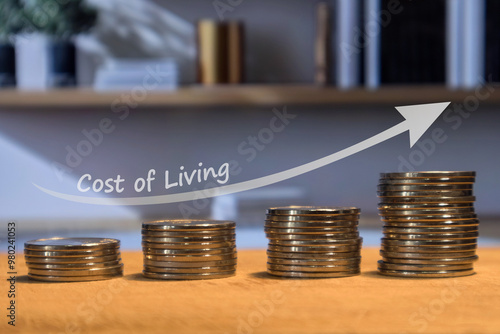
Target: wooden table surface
(253, 302)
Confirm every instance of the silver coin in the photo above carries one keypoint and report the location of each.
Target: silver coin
(72, 244)
(313, 269)
(427, 174)
(312, 210)
(418, 194)
(464, 260)
(188, 224)
(427, 274)
(177, 234)
(423, 230)
(70, 254)
(425, 206)
(423, 267)
(429, 217)
(185, 270)
(439, 223)
(427, 212)
(314, 231)
(446, 255)
(424, 187)
(295, 274)
(310, 218)
(428, 181)
(77, 272)
(311, 224)
(197, 251)
(72, 260)
(188, 239)
(425, 243)
(69, 266)
(434, 200)
(314, 249)
(417, 249)
(432, 236)
(324, 236)
(167, 276)
(188, 245)
(314, 242)
(191, 264)
(314, 255)
(316, 262)
(73, 278)
(191, 258)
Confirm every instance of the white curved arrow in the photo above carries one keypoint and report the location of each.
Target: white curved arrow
(418, 118)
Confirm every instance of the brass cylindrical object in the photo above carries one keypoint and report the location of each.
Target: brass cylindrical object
(212, 52)
(235, 33)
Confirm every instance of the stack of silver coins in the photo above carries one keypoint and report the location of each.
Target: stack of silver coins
(430, 226)
(313, 242)
(73, 259)
(189, 249)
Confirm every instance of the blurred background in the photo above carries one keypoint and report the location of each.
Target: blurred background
(119, 87)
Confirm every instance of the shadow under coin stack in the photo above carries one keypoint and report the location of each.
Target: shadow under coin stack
(73, 259)
(430, 227)
(313, 242)
(189, 249)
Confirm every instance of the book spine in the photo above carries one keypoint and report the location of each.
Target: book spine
(473, 46)
(347, 65)
(372, 54)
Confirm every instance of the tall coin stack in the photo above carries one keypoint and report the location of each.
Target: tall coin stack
(313, 242)
(430, 227)
(73, 259)
(189, 249)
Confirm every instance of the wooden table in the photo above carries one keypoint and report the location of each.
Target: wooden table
(253, 302)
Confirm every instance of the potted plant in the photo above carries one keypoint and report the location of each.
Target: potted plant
(61, 21)
(10, 24)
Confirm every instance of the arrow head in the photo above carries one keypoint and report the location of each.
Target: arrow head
(419, 118)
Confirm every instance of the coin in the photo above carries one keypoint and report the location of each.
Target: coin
(424, 187)
(464, 260)
(188, 224)
(69, 254)
(423, 267)
(312, 268)
(314, 255)
(71, 260)
(433, 236)
(77, 272)
(297, 274)
(437, 223)
(73, 278)
(425, 206)
(427, 274)
(429, 199)
(423, 194)
(72, 244)
(325, 236)
(427, 212)
(188, 239)
(427, 174)
(316, 242)
(191, 233)
(429, 217)
(189, 251)
(425, 243)
(312, 210)
(311, 224)
(191, 264)
(168, 276)
(428, 181)
(423, 230)
(190, 258)
(188, 270)
(315, 231)
(188, 245)
(446, 255)
(313, 249)
(65, 266)
(428, 249)
(315, 262)
(311, 218)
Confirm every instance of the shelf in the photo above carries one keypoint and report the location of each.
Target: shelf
(242, 95)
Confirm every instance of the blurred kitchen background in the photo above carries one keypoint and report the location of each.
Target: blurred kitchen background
(183, 82)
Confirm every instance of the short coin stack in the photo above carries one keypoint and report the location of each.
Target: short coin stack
(430, 227)
(73, 259)
(313, 242)
(189, 249)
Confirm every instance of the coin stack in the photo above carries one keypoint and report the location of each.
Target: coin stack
(313, 242)
(430, 226)
(189, 249)
(73, 259)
